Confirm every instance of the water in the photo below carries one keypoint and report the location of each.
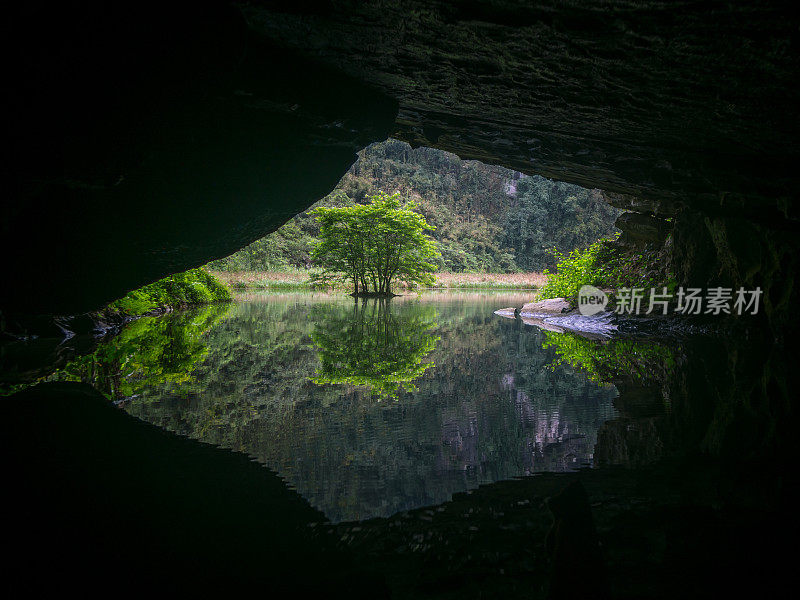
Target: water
(371, 409)
(366, 408)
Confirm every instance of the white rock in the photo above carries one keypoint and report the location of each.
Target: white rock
(552, 306)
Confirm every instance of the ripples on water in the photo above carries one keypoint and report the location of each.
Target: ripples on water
(366, 408)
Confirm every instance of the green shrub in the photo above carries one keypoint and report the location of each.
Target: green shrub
(194, 286)
(607, 265)
(573, 270)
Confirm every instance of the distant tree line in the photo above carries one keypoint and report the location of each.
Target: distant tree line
(486, 218)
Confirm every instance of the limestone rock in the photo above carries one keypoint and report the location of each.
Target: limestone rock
(643, 228)
(541, 324)
(593, 92)
(552, 306)
(659, 207)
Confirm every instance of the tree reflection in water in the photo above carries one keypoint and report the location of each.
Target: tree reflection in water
(292, 380)
(375, 346)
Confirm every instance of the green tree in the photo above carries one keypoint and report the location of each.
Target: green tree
(374, 245)
(551, 214)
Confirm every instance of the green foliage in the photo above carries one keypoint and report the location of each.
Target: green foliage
(195, 286)
(289, 246)
(606, 264)
(551, 214)
(191, 288)
(373, 245)
(6, 389)
(373, 347)
(487, 219)
(574, 270)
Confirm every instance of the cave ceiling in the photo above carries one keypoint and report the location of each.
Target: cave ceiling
(678, 100)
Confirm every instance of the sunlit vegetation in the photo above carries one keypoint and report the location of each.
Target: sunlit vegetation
(574, 270)
(374, 245)
(115, 359)
(195, 286)
(372, 347)
(488, 219)
(301, 279)
(606, 265)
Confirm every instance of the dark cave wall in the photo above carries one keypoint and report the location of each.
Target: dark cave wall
(717, 249)
(146, 140)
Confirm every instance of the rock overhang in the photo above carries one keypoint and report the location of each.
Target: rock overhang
(176, 147)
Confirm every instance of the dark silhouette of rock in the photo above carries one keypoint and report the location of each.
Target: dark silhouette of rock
(98, 500)
(578, 568)
(642, 228)
(150, 139)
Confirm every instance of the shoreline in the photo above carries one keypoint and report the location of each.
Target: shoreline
(240, 281)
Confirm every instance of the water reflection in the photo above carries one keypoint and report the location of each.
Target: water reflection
(148, 353)
(374, 346)
(294, 379)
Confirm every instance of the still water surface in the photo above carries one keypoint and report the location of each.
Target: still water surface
(365, 408)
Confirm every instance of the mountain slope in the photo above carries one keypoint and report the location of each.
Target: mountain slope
(487, 218)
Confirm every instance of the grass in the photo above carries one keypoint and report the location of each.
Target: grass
(299, 279)
(265, 280)
(500, 281)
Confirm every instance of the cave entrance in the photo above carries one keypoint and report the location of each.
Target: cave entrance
(490, 222)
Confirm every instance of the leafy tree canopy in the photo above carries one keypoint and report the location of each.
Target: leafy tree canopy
(374, 245)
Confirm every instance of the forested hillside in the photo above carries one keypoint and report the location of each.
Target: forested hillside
(487, 218)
